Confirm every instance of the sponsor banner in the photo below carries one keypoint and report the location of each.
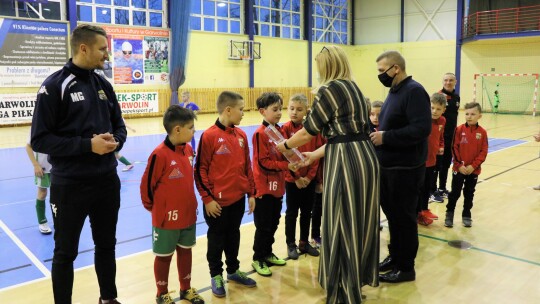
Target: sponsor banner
(138, 102)
(30, 51)
(17, 108)
(137, 56)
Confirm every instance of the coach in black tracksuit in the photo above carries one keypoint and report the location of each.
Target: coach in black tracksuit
(77, 122)
(401, 145)
(451, 115)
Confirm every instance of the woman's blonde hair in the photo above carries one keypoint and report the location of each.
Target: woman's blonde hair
(332, 63)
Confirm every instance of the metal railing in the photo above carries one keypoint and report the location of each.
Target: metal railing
(503, 21)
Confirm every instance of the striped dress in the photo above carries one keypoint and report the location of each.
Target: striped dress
(350, 218)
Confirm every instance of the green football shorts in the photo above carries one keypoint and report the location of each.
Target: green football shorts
(164, 241)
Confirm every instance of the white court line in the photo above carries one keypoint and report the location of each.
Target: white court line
(25, 250)
(17, 203)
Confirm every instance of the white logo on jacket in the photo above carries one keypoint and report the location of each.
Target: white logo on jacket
(77, 96)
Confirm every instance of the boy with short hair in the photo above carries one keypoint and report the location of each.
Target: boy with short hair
(167, 191)
(374, 111)
(299, 186)
(469, 151)
(224, 177)
(435, 147)
(269, 168)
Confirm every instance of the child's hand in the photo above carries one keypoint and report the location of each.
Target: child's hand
(308, 159)
(463, 170)
(441, 151)
(251, 203)
(213, 209)
(306, 181)
(299, 183)
(293, 167)
(38, 171)
(470, 169)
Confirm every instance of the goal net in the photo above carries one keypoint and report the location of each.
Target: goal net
(506, 93)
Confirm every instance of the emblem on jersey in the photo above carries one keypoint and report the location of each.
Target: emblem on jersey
(191, 160)
(155, 236)
(220, 140)
(42, 90)
(102, 95)
(464, 138)
(478, 135)
(176, 174)
(173, 162)
(223, 150)
(241, 142)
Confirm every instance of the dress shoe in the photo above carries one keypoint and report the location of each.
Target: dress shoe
(397, 276)
(386, 265)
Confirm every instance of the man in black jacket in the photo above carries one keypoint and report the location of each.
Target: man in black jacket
(401, 146)
(78, 122)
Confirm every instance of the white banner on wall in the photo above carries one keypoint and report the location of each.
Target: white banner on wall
(138, 102)
(17, 108)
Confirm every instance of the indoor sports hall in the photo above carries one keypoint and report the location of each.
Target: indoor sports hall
(250, 47)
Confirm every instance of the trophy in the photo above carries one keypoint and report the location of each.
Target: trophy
(293, 155)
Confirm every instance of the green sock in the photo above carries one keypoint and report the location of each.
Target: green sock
(40, 211)
(124, 161)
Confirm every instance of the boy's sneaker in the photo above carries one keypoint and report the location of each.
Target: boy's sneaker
(436, 197)
(449, 219)
(306, 248)
(241, 278)
(192, 296)
(429, 215)
(217, 286)
(316, 242)
(274, 260)
(292, 252)
(423, 220)
(261, 268)
(44, 228)
(444, 193)
(127, 168)
(467, 221)
(165, 298)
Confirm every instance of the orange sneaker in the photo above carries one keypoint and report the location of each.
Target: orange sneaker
(428, 214)
(423, 220)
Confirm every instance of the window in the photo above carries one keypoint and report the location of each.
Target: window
(330, 21)
(222, 16)
(48, 10)
(278, 18)
(148, 13)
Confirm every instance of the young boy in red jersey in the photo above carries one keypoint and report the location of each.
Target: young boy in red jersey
(224, 177)
(435, 147)
(469, 151)
(167, 191)
(299, 186)
(269, 168)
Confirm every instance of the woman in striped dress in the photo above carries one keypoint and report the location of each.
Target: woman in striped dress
(350, 224)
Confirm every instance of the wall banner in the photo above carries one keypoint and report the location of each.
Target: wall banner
(17, 108)
(30, 51)
(138, 102)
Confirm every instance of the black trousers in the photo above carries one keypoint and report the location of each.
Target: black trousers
(399, 197)
(425, 191)
(316, 216)
(458, 180)
(298, 199)
(266, 216)
(99, 200)
(443, 166)
(224, 236)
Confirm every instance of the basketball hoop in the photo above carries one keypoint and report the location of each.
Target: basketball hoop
(245, 59)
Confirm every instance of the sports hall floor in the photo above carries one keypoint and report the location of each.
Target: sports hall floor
(503, 266)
